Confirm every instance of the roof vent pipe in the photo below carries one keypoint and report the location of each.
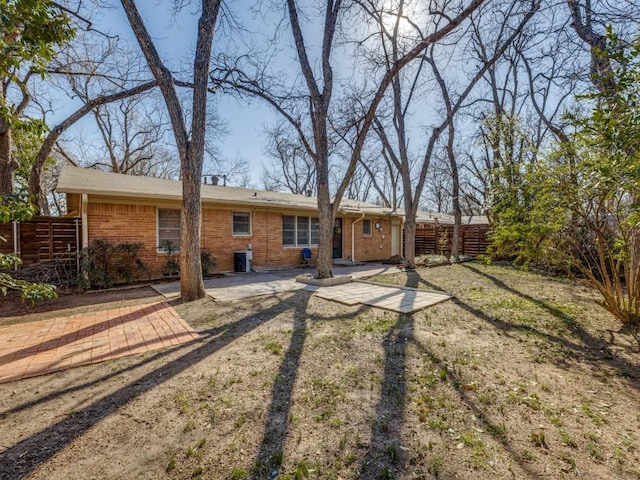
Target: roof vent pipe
(308, 193)
(214, 180)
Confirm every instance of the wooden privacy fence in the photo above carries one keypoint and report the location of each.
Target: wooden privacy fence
(42, 239)
(432, 239)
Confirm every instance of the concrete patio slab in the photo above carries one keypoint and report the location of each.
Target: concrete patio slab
(255, 289)
(395, 299)
(45, 346)
(238, 286)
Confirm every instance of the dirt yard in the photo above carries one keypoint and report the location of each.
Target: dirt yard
(520, 376)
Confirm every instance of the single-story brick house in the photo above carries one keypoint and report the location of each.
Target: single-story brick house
(275, 227)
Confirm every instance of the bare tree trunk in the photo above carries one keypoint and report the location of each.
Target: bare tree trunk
(191, 284)
(410, 211)
(410, 241)
(8, 165)
(326, 219)
(319, 101)
(190, 150)
(326, 210)
(455, 193)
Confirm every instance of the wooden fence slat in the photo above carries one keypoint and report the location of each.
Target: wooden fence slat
(438, 240)
(45, 238)
(6, 232)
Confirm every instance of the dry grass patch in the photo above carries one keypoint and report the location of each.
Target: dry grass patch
(520, 375)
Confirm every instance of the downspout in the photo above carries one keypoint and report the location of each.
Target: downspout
(402, 236)
(78, 246)
(353, 237)
(85, 226)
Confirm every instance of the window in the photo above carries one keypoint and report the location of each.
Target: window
(288, 231)
(168, 229)
(303, 231)
(241, 223)
(300, 231)
(366, 227)
(315, 231)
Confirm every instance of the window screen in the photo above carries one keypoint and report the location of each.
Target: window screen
(289, 230)
(300, 231)
(241, 223)
(366, 227)
(168, 229)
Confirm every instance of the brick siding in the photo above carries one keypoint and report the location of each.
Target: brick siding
(137, 223)
(377, 246)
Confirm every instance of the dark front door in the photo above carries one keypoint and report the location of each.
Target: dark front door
(337, 238)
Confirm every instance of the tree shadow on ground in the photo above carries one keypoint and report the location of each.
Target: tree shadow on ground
(384, 455)
(270, 455)
(495, 429)
(77, 388)
(589, 349)
(492, 427)
(77, 336)
(19, 460)
(598, 347)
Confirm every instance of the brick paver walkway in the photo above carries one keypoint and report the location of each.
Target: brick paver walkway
(37, 348)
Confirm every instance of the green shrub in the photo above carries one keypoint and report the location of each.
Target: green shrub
(172, 267)
(18, 208)
(431, 260)
(207, 260)
(104, 264)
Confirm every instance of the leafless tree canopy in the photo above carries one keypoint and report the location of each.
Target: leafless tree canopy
(313, 103)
